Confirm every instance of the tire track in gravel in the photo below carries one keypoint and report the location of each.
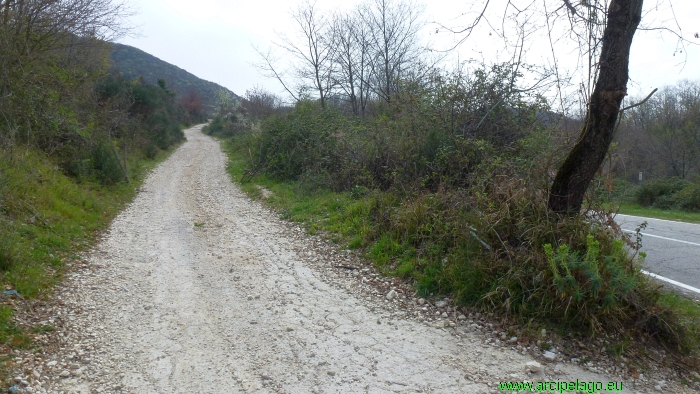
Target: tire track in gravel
(196, 288)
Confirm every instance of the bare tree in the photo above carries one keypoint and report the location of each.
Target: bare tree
(270, 68)
(352, 57)
(393, 27)
(363, 63)
(344, 40)
(315, 52)
(603, 30)
(31, 27)
(662, 137)
(361, 54)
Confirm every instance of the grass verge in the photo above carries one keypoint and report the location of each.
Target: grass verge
(344, 216)
(658, 213)
(352, 219)
(46, 219)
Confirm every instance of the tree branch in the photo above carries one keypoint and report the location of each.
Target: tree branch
(570, 7)
(269, 68)
(641, 102)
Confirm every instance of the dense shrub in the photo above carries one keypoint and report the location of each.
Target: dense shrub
(648, 193)
(227, 125)
(7, 253)
(106, 163)
(689, 198)
(496, 246)
(302, 142)
(145, 119)
(457, 195)
(150, 151)
(674, 193)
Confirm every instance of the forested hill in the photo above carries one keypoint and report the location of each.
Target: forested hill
(133, 62)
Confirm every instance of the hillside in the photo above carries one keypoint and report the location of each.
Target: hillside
(133, 62)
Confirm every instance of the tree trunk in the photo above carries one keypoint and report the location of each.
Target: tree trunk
(580, 166)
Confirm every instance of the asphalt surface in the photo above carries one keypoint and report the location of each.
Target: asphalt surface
(673, 249)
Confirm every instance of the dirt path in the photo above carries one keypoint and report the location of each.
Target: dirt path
(196, 288)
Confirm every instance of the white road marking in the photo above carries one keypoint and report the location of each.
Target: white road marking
(671, 281)
(666, 238)
(662, 278)
(660, 220)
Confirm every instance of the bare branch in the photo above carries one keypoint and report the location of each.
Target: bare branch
(269, 70)
(571, 8)
(641, 102)
(468, 30)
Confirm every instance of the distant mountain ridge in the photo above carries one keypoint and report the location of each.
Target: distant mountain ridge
(133, 63)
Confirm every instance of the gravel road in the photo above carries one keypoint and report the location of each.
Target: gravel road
(196, 288)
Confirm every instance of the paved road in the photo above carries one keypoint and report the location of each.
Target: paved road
(673, 248)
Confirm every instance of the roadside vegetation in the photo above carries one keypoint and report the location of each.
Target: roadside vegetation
(669, 198)
(456, 215)
(444, 178)
(658, 213)
(658, 140)
(75, 142)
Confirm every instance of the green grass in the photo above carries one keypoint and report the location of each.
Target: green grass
(688, 312)
(351, 220)
(667, 214)
(345, 218)
(46, 218)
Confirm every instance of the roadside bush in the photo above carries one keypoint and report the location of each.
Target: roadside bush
(303, 141)
(106, 164)
(649, 193)
(7, 252)
(689, 198)
(497, 247)
(165, 133)
(457, 185)
(428, 136)
(78, 164)
(591, 280)
(226, 126)
(671, 193)
(150, 151)
(3, 187)
(215, 126)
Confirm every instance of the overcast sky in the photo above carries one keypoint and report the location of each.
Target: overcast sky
(214, 39)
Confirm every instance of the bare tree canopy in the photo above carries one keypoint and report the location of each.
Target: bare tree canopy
(662, 137)
(37, 24)
(350, 56)
(392, 28)
(29, 28)
(603, 31)
(316, 53)
(352, 59)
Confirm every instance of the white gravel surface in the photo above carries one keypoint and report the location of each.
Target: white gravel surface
(196, 288)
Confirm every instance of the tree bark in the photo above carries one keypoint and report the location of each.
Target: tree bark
(584, 160)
